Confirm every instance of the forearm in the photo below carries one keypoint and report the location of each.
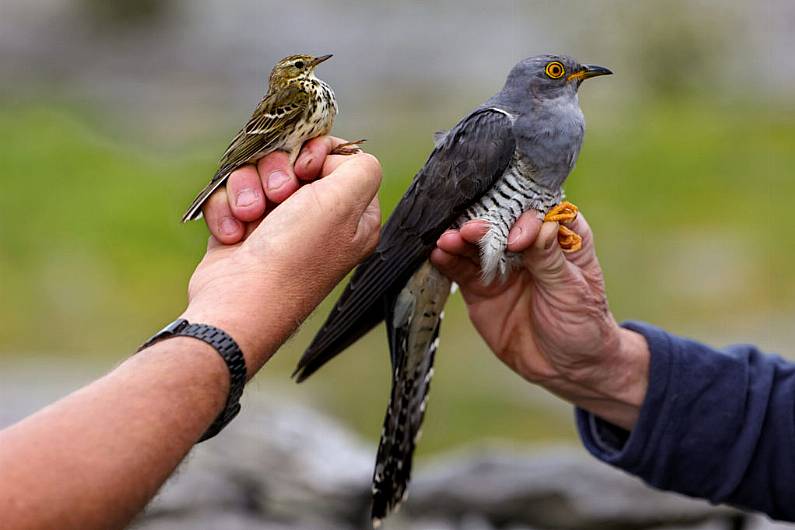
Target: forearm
(94, 458)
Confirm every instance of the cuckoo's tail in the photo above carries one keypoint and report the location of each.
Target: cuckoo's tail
(413, 338)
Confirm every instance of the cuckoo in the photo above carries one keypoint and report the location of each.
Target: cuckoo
(508, 156)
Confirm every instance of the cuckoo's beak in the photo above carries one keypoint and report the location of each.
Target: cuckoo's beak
(589, 70)
(317, 60)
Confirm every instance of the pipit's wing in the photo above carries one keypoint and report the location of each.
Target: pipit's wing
(266, 130)
(462, 166)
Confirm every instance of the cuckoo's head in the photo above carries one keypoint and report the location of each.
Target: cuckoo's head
(293, 68)
(550, 76)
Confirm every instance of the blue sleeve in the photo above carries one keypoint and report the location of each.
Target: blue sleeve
(715, 424)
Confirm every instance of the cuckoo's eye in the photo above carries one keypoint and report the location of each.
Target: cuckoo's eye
(555, 70)
(300, 65)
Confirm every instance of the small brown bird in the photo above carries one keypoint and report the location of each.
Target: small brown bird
(297, 107)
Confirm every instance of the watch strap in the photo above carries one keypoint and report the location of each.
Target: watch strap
(229, 351)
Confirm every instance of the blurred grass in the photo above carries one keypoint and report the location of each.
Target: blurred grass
(688, 198)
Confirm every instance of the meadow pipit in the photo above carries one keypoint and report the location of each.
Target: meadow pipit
(297, 107)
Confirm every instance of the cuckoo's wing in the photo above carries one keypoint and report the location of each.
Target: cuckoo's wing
(463, 166)
(264, 132)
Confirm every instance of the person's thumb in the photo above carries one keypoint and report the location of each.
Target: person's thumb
(544, 259)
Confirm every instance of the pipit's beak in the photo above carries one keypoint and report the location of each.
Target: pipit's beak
(317, 60)
(589, 70)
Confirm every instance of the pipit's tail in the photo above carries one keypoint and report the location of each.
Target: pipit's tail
(413, 338)
(194, 211)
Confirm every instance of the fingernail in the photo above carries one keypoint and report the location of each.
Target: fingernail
(480, 223)
(246, 197)
(550, 242)
(449, 231)
(277, 179)
(514, 234)
(228, 226)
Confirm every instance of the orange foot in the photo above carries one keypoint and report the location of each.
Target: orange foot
(565, 212)
(348, 148)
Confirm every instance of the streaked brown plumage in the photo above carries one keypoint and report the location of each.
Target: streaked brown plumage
(297, 107)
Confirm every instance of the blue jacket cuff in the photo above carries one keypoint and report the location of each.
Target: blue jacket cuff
(617, 446)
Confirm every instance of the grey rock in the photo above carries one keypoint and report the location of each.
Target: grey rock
(278, 461)
(760, 522)
(232, 521)
(555, 489)
(709, 525)
(283, 466)
(204, 521)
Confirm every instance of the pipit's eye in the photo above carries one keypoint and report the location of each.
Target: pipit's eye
(299, 65)
(555, 70)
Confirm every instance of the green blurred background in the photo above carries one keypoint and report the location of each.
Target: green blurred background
(113, 114)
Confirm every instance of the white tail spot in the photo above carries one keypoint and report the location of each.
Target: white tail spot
(418, 436)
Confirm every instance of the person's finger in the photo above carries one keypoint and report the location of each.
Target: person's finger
(585, 259)
(458, 269)
(220, 220)
(587, 252)
(368, 229)
(332, 162)
(452, 243)
(245, 194)
(357, 177)
(278, 178)
(313, 154)
(473, 231)
(524, 231)
(545, 259)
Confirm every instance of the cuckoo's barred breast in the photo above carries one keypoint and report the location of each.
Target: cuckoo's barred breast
(513, 194)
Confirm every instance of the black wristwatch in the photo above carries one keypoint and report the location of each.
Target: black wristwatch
(229, 351)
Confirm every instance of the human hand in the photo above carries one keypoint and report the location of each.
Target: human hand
(282, 237)
(550, 320)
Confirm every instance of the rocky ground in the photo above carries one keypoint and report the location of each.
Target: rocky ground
(286, 467)
(281, 465)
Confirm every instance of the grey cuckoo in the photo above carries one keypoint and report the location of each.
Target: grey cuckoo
(510, 155)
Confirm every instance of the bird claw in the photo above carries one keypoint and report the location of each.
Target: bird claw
(348, 148)
(569, 240)
(565, 212)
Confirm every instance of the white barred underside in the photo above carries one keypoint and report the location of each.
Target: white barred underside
(513, 194)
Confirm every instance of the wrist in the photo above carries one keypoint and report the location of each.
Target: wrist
(615, 384)
(632, 369)
(254, 348)
(258, 307)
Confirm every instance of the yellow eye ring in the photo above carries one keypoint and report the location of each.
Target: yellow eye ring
(555, 70)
